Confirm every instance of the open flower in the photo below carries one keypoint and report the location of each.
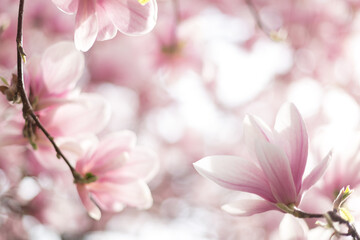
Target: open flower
(277, 175)
(115, 174)
(100, 19)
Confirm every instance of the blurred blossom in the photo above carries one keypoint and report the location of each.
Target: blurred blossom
(117, 172)
(28, 188)
(100, 20)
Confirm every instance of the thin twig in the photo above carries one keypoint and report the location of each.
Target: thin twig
(256, 16)
(301, 214)
(28, 112)
(351, 228)
(275, 35)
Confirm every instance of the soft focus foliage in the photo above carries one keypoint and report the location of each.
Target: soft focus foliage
(183, 89)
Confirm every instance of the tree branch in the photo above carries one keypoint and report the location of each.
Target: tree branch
(28, 112)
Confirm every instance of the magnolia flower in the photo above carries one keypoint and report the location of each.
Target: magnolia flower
(276, 175)
(100, 19)
(51, 79)
(115, 173)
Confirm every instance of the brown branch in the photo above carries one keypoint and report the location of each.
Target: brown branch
(351, 228)
(331, 216)
(28, 112)
(275, 35)
(256, 16)
(300, 214)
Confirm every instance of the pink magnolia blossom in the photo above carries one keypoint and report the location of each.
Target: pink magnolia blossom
(100, 19)
(52, 78)
(66, 113)
(119, 171)
(277, 175)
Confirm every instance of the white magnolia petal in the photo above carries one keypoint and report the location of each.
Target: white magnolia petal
(316, 173)
(276, 168)
(111, 195)
(107, 29)
(143, 164)
(293, 228)
(248, 207)
(62, 66)
(293, 137)
(91, 208)
(130, 17)
(67, 6)
(87, 114)
(235, 173)
(86, 25)
(254, 129)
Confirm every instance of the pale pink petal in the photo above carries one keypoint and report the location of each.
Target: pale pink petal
(143, 164)
(107, 165)
(107, 29)
(316, 173)
(255, 128)
(130, 17)
(113, 146)
(235, 173)
(33, 76)
(276, 167)
(293, 228)
(123, 140)
(89, 114)
(91, 208)
(109, 196)
(86, 25)
(12, 133)
(62, 66)
(52, 101)
(294, 139)
(248, 207)
(67, 6)
(78, 146)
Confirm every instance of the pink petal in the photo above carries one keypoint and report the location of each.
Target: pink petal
(123, 140)
(276, 167)
(109, 195)
(130, 17)
(33, 76)
(113, 146)
(12, 133)
(89, 114)
(254, 129)
(108, 165)
(67, 6)
(235, 173)
(248, 207)
(316, 173)
(86, 25)
(107, 29)
(91, 208)
(293, 137)
(143, 164)
(62, 66)
(292, 228)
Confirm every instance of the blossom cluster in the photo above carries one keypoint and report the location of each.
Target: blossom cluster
(132, 126)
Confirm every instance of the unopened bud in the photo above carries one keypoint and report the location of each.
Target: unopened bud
(343, 195)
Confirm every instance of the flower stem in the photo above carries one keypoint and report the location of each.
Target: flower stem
(331, 216)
